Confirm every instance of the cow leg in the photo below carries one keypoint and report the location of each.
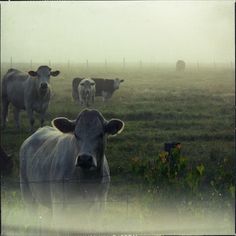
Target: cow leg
(42, 118)
(31, 208)
(31, 119)
(87, 102)
(5, 104)
(81, 100)
(16, 117)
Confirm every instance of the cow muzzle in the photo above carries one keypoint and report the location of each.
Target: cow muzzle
(43, 86)
(86, 162)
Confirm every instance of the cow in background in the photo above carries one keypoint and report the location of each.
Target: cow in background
(6, 163)
(180, 65)
(86, 90)
(104, 87)
(30, 92)
(75, 85)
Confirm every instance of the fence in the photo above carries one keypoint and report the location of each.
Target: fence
(124, 64)
(90, 184)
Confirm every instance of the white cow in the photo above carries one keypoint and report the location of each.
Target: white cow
(30, 92)
(87, 90)
(67, 163)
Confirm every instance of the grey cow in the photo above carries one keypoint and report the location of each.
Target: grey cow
(67, 162)
(30, 92)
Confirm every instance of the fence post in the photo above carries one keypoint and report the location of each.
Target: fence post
(63, 192)
(11, 62)
(40, 225)
(49, 63)
(123, 62)
(140, 64)
(68, 65)
(105, 63)
(0, 201)
(31, 64)
(87, 65)
(127, 202)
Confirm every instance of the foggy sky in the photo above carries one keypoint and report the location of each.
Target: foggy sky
(151, 31)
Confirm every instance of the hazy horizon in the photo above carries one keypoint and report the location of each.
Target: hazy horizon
(150, 31)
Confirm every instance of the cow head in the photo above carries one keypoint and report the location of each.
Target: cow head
(86, 85)
(90, 130)
(117, 83)
(42, 76)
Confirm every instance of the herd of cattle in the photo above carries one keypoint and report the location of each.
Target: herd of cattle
(84, 90)
(32, 92)
(67, 150)
(70, 149)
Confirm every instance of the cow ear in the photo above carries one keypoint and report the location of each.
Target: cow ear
(32, 73)
(121, 80)
(55, 73)
(63, 124)
(114, 126)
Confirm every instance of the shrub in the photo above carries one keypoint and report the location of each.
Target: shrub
(168, 171)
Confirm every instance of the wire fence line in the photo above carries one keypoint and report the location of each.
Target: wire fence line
(73, 180)
(66, 200)
(128, 195)
(64, 180)
(125, 183)
(124, 63)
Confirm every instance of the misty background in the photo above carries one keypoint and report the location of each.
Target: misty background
(151, 31)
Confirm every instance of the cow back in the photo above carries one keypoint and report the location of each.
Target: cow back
(100, 84)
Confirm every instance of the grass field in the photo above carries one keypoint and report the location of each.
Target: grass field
(157, 105)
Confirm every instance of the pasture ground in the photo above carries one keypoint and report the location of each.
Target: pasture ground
(158, 105)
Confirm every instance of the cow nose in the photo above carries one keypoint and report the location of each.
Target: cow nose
(44, 85)
(85, 161)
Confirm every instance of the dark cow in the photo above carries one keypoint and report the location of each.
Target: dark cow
(6, 163)
(180, 65)
(75, 86)
(67, 161)
(106, 87)
(30, 92)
